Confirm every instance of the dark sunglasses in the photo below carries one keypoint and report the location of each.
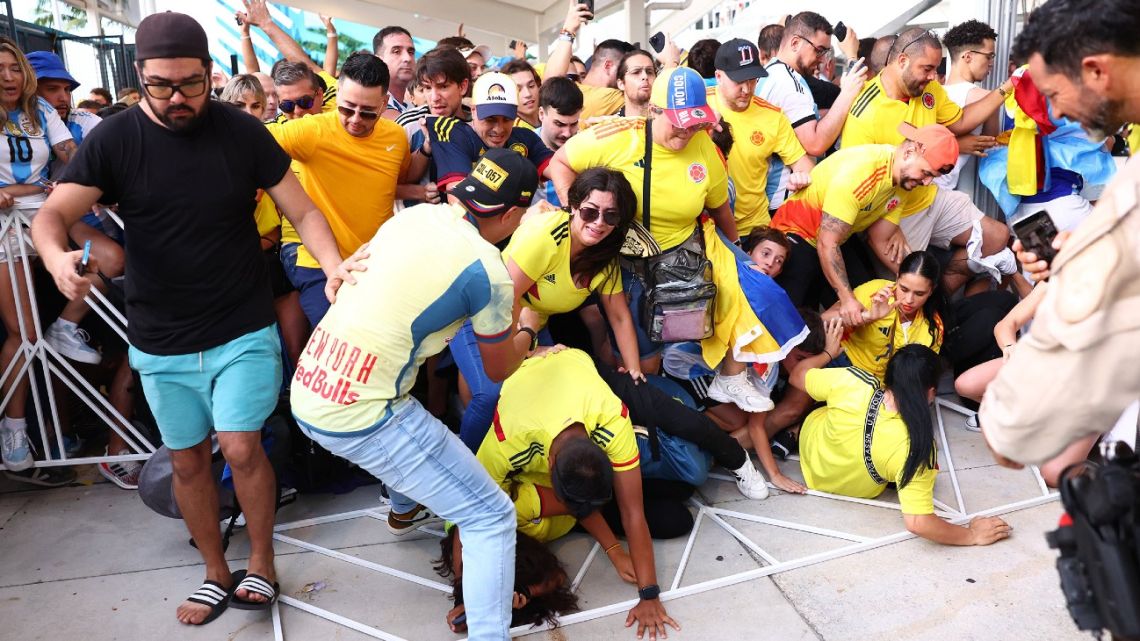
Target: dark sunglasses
(590, 214)
(349, 112)
(575, 77)
(191, 89)
(289, 106)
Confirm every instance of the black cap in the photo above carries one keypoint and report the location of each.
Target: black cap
(582, 476)
(739, 59)
(500, 180)
(171, 35)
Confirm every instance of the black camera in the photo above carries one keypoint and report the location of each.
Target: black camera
(1099, 541)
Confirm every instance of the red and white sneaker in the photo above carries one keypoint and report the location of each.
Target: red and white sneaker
(125, 474)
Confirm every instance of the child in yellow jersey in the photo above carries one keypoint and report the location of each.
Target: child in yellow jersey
(904, 312)
(869, 434)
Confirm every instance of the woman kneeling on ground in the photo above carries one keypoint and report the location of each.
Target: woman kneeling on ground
(837, 456)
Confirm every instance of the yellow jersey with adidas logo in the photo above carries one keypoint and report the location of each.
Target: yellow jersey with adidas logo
(870, 346)
(541, 249)
(543, 397)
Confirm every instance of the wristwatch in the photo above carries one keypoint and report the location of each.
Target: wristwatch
(649, 592)
(566, 35)
(533, 337)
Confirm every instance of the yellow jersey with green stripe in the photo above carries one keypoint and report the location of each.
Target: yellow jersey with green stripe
(543, 397)
(875, 117)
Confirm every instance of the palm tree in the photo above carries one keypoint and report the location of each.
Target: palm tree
(72, 17)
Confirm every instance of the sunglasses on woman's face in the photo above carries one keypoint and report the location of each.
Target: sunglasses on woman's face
(288, 106)
(590, 214)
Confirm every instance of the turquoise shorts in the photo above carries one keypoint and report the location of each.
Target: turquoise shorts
(230, 388)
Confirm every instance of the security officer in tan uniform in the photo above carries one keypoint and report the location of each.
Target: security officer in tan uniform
(1079, 367)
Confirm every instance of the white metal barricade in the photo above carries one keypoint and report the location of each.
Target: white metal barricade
(53, 367)
(770, 564)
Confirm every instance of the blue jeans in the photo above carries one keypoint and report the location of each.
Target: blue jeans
(414, 453)
(484, 392)
(309, 282)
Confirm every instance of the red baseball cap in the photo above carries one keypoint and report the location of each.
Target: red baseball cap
(939, 145)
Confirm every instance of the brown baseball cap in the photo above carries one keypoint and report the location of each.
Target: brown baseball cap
(171, 35)
(939, 145)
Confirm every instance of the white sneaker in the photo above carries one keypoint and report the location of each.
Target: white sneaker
(750, 481)
(72, 344)
(15, 449)
(972, 423)
(739, 391)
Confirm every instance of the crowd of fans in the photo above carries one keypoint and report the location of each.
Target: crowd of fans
(817, 185)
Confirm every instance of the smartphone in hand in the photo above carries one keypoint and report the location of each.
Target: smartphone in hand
(589, 6)
(657, 41)
(840, 31)
(1036, 233)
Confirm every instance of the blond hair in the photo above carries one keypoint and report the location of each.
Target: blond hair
(28, 100)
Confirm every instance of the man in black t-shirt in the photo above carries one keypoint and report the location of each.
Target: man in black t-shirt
(185, 172)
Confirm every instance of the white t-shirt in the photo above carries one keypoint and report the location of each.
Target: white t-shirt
(787, 89)
(958, 92)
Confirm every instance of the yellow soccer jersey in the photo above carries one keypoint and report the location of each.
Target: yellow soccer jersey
(600, 101)
(266, 214)
(684, 182)
(760, 131)
(541, 248)
(854, 185)
(543, 397)
(875, 117)
(528, 514)
(870, 347)
(337, 166)
(831, 442)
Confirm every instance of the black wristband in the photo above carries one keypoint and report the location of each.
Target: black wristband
(649, 592)
(533, 337)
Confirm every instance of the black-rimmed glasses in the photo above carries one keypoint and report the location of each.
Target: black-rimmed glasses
(165, 90)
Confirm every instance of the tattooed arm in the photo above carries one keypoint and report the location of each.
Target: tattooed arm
(832, 233)
(65, 150)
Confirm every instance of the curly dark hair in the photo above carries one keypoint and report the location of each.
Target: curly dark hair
(968, 35)
(535, 565)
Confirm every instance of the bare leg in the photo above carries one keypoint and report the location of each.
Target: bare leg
(122, 399)
(17, 407)
(1074, 453)
(197, 498)
(294, 326)
(973, 382)
(256, 488)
